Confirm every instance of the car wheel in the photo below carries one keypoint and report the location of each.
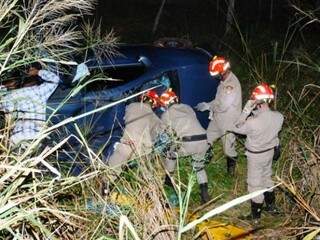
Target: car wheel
(173, 43)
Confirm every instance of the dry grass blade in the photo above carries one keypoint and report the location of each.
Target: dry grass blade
(124, 222)
(44, 28)
(104, 45)
(312, 235)
(6, 7)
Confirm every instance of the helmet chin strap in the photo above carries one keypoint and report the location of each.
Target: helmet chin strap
(170, 104)
(224, 75)
(219, 77)
(262, 101)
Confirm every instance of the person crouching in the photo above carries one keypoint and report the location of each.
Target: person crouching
(180, 121)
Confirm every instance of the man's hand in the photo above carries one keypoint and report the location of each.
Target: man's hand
(203, 106)
(33, 72)
(82, 71)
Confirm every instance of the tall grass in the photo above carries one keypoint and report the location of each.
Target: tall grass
(295, 70)
(31, 184)
(37, 28)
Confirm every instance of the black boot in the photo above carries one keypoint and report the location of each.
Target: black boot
(256, 209)
(255, 215)
(168, 182)
(231, 165)
(270, 199)
(204, 193)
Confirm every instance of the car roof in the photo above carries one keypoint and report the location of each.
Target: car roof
(155, 56)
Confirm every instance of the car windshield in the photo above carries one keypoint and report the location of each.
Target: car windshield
(163, 81)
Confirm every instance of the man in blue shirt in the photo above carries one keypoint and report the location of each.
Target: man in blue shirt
(26, 106)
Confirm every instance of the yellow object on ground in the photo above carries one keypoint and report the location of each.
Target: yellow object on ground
(208, 230)
(214, 230)
(121, 199)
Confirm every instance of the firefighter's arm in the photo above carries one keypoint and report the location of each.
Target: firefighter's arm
(219, 107)
(203, 106)
(243, 127)
(225, 101)
(247, 110)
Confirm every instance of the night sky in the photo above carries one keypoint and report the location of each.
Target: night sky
(203, 21)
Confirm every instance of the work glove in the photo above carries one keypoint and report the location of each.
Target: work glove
(277, 153)
(203, 106)
(250, 105)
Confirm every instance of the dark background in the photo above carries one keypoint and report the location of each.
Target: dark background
(263, 33)
(201, 21)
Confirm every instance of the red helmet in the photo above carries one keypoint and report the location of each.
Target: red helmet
(168, 97)
(263, 92)
(151, 97)
(218, 65)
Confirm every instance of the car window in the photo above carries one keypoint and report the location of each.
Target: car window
(114, 76)
(174, 80)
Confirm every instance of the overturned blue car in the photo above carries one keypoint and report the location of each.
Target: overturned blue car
(133, 69)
